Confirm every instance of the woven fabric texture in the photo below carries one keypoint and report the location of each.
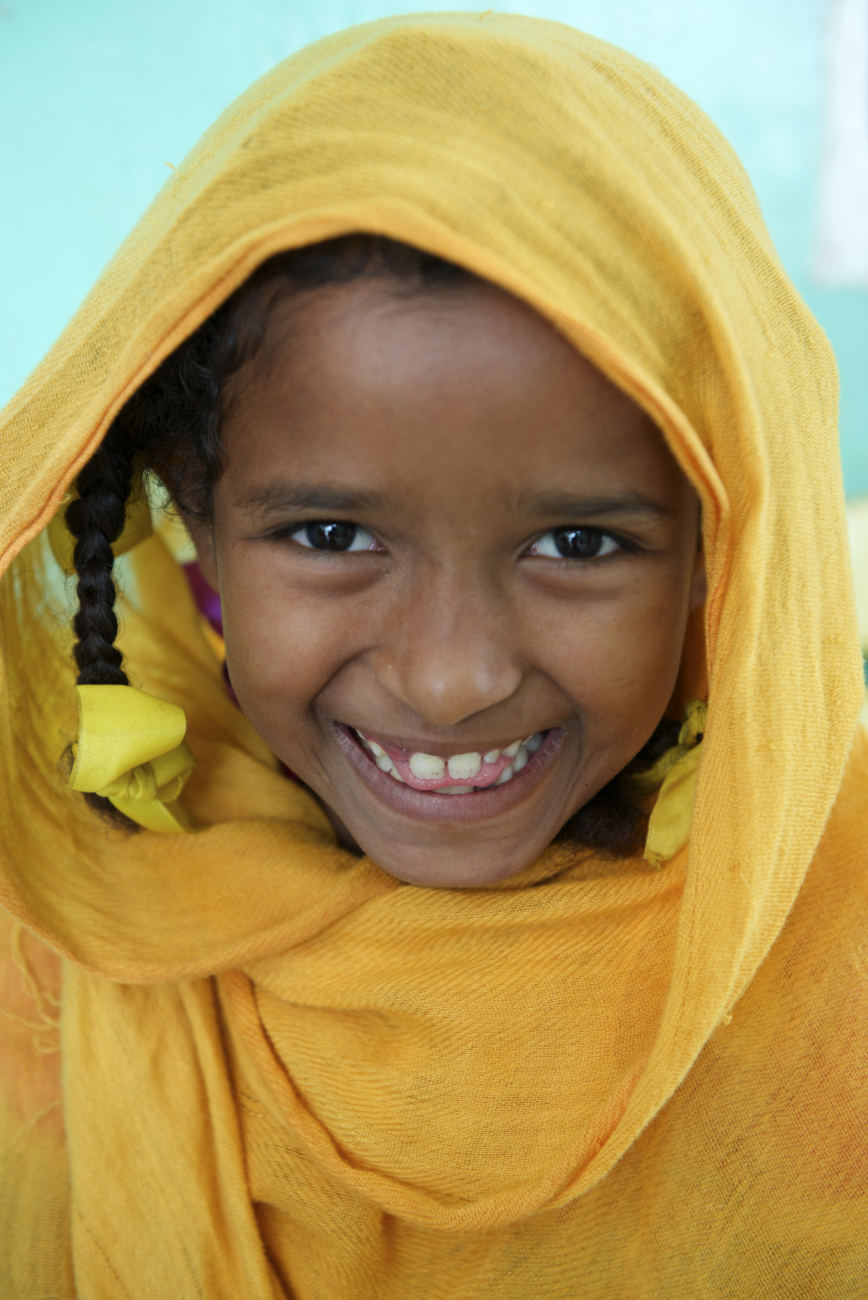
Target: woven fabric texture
(242, 1063)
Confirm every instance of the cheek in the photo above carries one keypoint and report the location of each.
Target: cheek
(281, 650)
(619, 662)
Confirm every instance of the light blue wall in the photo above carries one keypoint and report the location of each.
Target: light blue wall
(98, 97)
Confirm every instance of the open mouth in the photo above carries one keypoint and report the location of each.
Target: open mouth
(422, 786)
(464, 773)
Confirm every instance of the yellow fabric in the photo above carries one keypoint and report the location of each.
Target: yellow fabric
(243, 1063)
(675, 772)
(131, 750)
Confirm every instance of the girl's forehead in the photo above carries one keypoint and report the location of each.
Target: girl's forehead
(468, 389)
(467, 349)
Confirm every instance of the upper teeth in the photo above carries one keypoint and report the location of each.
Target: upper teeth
(426, 766)
(464, 765)
(458, 767)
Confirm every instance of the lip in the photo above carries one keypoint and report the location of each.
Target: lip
(478, 806)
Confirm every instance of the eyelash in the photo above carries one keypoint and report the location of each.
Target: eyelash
(290, 532)
(594, 535)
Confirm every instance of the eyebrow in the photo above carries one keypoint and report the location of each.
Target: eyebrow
(285, 496)
(282, 495)
(568, 506)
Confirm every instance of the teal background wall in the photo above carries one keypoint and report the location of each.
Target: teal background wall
(98, 98)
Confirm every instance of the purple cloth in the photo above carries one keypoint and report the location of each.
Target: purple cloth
(206, 598)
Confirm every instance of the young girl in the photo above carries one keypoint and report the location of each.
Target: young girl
(482, 914)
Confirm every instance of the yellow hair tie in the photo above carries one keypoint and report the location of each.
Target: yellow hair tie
(675, 773)
(131, 750)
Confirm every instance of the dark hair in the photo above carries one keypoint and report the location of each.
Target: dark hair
(172, 425)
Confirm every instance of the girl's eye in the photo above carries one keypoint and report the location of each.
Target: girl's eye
(333, 535)
(575, 544)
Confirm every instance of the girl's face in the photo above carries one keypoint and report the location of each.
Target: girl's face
(456, 566)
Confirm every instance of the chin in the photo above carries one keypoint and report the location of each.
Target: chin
(453, 866)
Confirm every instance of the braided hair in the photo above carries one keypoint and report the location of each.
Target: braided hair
(96, 519)
(172, 426)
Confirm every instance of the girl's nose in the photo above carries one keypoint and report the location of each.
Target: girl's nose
(449, 652)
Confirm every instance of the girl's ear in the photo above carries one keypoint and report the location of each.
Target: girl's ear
(202, 533)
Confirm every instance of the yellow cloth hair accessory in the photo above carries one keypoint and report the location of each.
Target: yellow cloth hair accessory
(675, 773)
(131, 750)
(137, 526)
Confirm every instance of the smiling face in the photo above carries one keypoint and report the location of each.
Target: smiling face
(440, 531)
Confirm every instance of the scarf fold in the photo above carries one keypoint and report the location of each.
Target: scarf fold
(275, 1070)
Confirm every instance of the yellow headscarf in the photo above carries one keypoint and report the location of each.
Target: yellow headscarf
(240, 1062)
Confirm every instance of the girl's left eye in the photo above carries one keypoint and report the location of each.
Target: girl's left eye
(575, 544)
(333, 535)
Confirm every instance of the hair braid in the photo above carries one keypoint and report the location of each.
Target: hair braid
(96, 520)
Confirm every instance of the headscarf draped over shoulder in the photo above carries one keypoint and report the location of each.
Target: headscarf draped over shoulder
(282, 1071)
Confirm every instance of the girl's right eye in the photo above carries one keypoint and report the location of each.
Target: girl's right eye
(333, 535)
